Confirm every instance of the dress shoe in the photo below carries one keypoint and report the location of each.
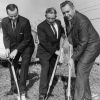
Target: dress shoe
(42, 97)
(32, 75)
(11, 92)
(15, 91)
(50, 94)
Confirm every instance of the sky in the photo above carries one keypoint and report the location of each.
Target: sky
(34, 10)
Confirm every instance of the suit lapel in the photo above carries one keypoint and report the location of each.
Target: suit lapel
(70, 27)
(17, 29)
(10, 25)
(73, 30)
(58, 29)
(50, 29)
(18, 26)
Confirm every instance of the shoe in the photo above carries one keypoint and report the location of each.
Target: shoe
(23, 97)
(15, 91)
(50, 95)
(11, 92)
(32, 75)
(42, 97)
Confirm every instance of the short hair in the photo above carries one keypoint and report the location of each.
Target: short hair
(67, 2)
(51, 11)
(11, 7)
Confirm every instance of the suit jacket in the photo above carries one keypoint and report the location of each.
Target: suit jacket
(48, 43)
(21, 37)
(85, 39)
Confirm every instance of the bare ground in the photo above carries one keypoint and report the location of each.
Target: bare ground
(33, 85)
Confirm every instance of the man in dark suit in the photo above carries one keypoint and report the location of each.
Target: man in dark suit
(49, 32)
(86, 44)
(18, 42)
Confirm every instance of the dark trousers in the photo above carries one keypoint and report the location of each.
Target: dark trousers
(82, 87)
(47, 67)
(84, 66)
(22, 77)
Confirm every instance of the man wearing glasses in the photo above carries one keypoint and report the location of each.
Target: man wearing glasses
(49, 32)
(18, 42)
(86, 47)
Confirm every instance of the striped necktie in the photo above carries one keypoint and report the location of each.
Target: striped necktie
(54, 30)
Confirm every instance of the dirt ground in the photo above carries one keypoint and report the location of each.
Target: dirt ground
(33, 84)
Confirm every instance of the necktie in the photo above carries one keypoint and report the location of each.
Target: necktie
(54, 30)
(13, 25)
(70, 24)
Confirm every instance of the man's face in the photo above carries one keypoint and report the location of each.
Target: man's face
(13, 15)
(68, 12)
(50, 17)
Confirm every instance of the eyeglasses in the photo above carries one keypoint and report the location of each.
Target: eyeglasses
(51, 18)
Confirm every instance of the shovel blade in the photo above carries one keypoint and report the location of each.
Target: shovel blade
(18, 98)
(69, 98)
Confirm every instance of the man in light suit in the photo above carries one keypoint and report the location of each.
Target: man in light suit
(49, 32)
(86, 45)
(18, 42)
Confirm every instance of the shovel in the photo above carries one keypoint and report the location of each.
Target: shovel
(70, 65)
(51, 80)
(15, 78)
